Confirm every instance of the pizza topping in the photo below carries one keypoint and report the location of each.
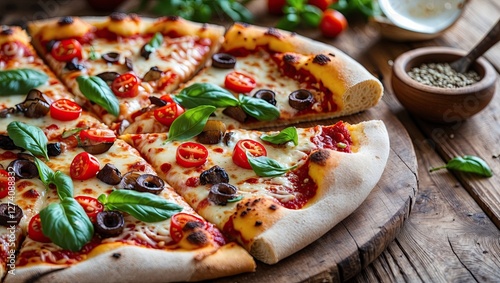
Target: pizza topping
(267, 95)
(84, 166)
(65, 110)
(320, 156)
(111, 57)
(182, 222)
(126, 85)
(321, 59)
(190, 123)
(91, 206)
(245, 148)
(214, 175)
(28, 137)
(129, 181)
(109, 223)
(35, 230)
(264, 166)
(4, 183)
(221, 193)
(159, 101)
(74, 65)
(336, 137)
(168, 113)
(96, 148)
(23, 169)
(153, 74)
(152, 45)
(96, 90)
(54, 149)
(239, 82)
(212, 132)
(191, 154)
(67, 49)
(149, 183)
(12, 49)
(109, 174)
(65, 21)
(258, 108)
(108, 77)
(10, 214)
(19, 81)
(236, 113)
(301, 99)
(286, 135)
(223, 61)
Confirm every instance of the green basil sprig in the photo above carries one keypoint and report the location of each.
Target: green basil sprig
(143, 206)
(154, 43)
(286, 135)
(20, 81)
(63, 182)
(67, 224)
(259, 108)
(98, 91)
(190, 123)
(264, 166)
(205, 94)
(467, 163)
(28, 137)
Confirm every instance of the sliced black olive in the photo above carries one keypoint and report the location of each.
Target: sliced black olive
(109, 223)
(212, 133)
(129, 180)
(74, 65)
(153, 74)
(35, 94)
(267, 95)
(24, 169)
(10, 214)
(236, 113)
(108, 77)
(223, 61)
(300, 99)
(149, 183)
(65, 21)
(109, 174)
(4, 113)
(111, 57)
(145, 51)
(34, 105)
(7, 143)
(129, 64)
(157, 101)
(50, 45)
(54, 149)
(96, 148)
(227, 138)
(214, 175)
(221, 193)
(27, 156)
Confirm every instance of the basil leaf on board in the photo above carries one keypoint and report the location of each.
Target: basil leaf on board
(190, 123)
(46, 174)
(155, 42)
(205, 94)
(264, 166)
(28, 137)
(64, 185)
(146, 207)
(286, 135)
(20, 81)
(67, 224)
(97, 91)
(468, 164)
(259, 108)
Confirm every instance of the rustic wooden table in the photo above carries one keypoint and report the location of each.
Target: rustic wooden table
(447, 228)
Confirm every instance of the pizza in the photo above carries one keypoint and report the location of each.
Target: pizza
(136, 148)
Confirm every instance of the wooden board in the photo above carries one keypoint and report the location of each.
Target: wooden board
(358, 240)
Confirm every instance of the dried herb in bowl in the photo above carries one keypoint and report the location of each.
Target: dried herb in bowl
(442, 75)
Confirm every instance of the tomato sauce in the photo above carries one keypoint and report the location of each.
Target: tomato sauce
(8, 155)
(304, 187)
(165, 167)
(192, 181)
(336, 137)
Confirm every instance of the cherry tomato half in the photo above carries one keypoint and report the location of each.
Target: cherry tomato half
(168, 113)
(84, 166)
(239, 82)
(91, 206)
(191, 154)
(255, 148)
(12, 49)
(65, 110)
(126, 85)
(178, 221)
(35, 230)
(67, 49)
(332, 23)
(97, 135)
(4, 183)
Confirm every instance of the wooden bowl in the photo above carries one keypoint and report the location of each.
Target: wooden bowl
(436, 104)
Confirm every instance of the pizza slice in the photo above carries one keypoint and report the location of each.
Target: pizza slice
(273, 192)
(300, 79)
(105, 211)
(114, 64)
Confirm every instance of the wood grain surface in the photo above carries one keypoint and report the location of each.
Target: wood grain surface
(448, 229)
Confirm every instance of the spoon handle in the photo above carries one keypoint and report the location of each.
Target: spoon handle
(488, 41)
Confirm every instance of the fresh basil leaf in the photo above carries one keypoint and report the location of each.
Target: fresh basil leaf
(264, 166)
(97, 91)
(67, 224)
(259, 108)
(143, 206)
(235, 199)
(470, 164)
(190, 123)
(28, 137)
(155, 42)
(64, 185)
(68, 133)
(20, 81)
(289, 22)
(93, 54)
(286, 135)
(205, 94)
(46, 174)
(311, 15)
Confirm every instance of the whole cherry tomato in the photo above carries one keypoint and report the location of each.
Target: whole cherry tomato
(67, 49)
(332, 23)
(241, 148)
(84, 166)
(65, 110)
(126, 85)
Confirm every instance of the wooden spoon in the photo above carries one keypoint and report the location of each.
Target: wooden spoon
(492, 37)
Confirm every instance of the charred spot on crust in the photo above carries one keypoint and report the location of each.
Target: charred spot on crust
(172, 18)
(273, 32)
(197, 238)
(116, 255)
(320, 156)
(289, 59)
(273, 207)
(117, 16)
(321, 59)
(191, 225)
(258, 223)
(331, 54)
(7, 31)
(65, 21)
(245, 25)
